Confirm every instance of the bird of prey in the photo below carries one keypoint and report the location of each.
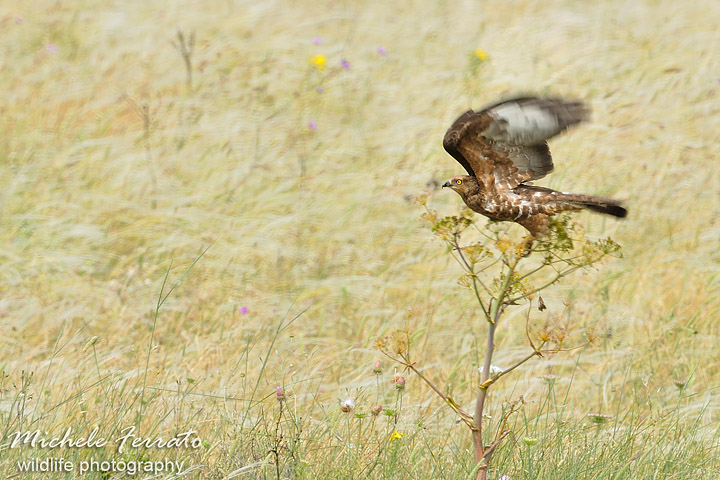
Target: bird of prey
(503, 147)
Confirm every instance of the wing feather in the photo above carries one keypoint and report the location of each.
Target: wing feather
(455, 134)
(509, 139)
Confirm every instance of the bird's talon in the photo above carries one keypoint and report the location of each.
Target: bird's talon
(527, 246)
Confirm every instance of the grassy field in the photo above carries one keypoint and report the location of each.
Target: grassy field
(174, 247)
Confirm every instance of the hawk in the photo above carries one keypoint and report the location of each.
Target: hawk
(504, 147)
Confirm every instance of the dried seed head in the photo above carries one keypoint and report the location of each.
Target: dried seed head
(347, 405)
(90, 343)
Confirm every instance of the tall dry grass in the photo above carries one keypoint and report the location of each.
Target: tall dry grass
(114, 175)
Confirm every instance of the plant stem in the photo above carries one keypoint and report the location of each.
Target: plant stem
(463, 415)
(480, 404)
(482, 456)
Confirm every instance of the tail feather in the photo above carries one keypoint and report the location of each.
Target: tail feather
(596, 204)
(607, 206)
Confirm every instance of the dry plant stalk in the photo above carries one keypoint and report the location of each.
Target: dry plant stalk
(185, 45)
(143, 111)
(499, 272)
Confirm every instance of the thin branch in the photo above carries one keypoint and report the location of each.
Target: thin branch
(527, 327)
(562, 274)
(491, 264)
(186, 46)
(475, 280)
(530, 273)
(466, 417)
(471, 269)
(490, 449)
(535, 353)
(483, 233)
(456, 245)
(558, 350)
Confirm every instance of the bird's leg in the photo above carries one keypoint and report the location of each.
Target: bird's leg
(537, 226)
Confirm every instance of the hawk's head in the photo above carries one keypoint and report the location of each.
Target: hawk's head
(462, 184)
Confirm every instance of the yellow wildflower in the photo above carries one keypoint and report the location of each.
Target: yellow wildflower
(396, 435)
(318, 61)
(480, 54)
(503, 245)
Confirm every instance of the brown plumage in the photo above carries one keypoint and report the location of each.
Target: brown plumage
(503, 147)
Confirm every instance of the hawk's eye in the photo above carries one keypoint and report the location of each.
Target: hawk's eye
(458, 182)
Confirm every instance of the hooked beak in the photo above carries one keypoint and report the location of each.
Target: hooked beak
(446, 184)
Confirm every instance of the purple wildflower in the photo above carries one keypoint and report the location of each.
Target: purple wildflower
(19, 20)
(51, 48)
(312, 125)
(244, 310)
(317, 41)
(382, 51)
(345, 64)
(319, 89)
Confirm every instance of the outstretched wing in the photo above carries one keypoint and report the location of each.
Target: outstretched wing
(509, 139)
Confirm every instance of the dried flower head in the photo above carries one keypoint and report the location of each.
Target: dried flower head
(376, 410)
(400, 382)
(377, 368)
(347, 405)
(400, 341)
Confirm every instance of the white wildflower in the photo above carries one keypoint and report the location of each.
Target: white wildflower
(347, 405)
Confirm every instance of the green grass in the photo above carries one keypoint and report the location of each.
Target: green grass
(315, 235)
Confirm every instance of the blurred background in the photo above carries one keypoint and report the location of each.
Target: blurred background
(288, 141)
